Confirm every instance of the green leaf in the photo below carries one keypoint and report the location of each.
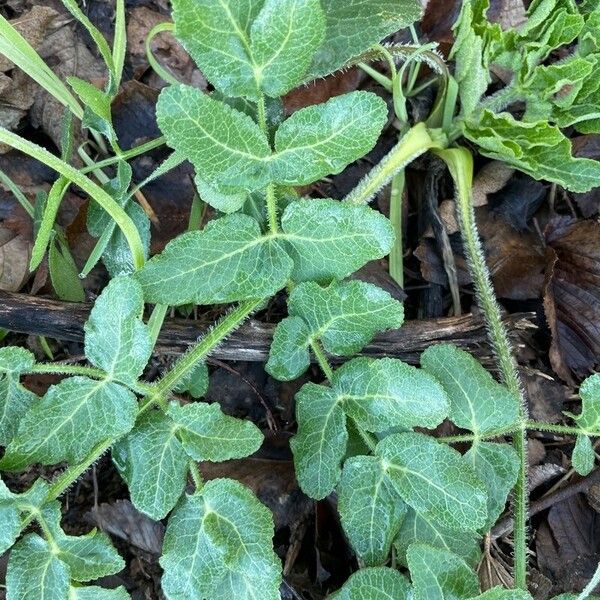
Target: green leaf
(195, 382)
(69, 421)
(35, 571)
(226, 146)
(15, 360)
(226, 203)
(435, 480)
(154, 464)
(284, 37)
(538, 149)
(589, 418)
(477, 401)
(89, 556)
(10, 521)
(417, 529)
(330, 240)
(354, 26)
(15, 401)
(94, 592)
(370, 508)
(116, 339)
(376, 583)
(218, 546)
(498, 593)
(378, 394)
(246, 47)
(497, 465)
(206, 433)
(344, 316)
(97, 113)
(583, 457)
(440, 575)
(229, 260)
(63, 273)
(324, 139)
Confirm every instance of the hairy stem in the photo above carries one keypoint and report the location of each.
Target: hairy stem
(460, 164)
(551, 427)
(196, 476)
(212, 339)
(416, 142)
(321, 357)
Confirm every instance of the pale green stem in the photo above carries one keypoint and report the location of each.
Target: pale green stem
(213, 338)
(272, 209)
(156, 320)
(397, 253)
(460, 164)
(591, 586)
(383, 80)
(552, 428)
(414, 143)
(126, 154)
(196, 476)
(321, 357)
(123, 220)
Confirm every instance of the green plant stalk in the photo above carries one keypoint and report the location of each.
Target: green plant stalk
(123, 220)
(126, 154)
(196, 476)
(415, 142)
(460, 164)
(156, 320)
(397, 253)
(17, 193)
(156, 66)
(213, 338)
(321, 357)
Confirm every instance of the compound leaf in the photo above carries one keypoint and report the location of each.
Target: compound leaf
(477, 401)
(153, 463)
(435, 480)
(583, 457)
(371, 510)
(218, 546)
(589, 418)
(497, 465)
(88, 556)
(330, 240)
(417, 529)
(440, 575)
(206, 433)
(35, 571)
(226, 146)
(69, 421)
(375, 583)
(537, 148)
(228, 260)
(344, 316)
(116, 339)
(324, 139)
(354, 26)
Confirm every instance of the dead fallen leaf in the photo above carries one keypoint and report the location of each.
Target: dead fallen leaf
(491, 178)
(546, 396)
(587, 146)
(572, 295)
(15, 252)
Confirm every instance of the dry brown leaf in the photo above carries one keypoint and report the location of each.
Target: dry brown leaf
(572, 295)
(15, 252)
(490, 179)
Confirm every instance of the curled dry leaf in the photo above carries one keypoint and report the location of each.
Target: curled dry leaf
(15, 252)
(572, 295)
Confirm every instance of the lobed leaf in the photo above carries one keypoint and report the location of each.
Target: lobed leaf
(218, 546)
(440, 575)
(15, 401)
(589, 418)
(434, 480)
(375, 583)
(477, 401)
(116, 339)
(71, 419)
(324, 139)
(370, 508)
(15, 360)
(195, 382)
(229, 260)
(378, 394)
(344, 316)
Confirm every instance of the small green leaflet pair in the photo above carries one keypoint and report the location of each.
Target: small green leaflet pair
(557, 95)
(153, 451)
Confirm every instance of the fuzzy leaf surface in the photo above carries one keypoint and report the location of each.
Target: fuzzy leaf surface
(153, 463)
(249, 47)
(370, 508)
(354, 26)
(218, 546)
(589, 418)
(15, 360)
(93, 592)
(435, 480)
(440, 575)
(477, 401)
(324, 139)
(228, 260)
(375, 583)
(583, 457)
(195, 383)
(499, 593)
(497, 465)
(344, 316)
(330, 240)
(15, 401)
(73, 417)
(116, 339)
(226, 146)
(378, 394)
(417, 529)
